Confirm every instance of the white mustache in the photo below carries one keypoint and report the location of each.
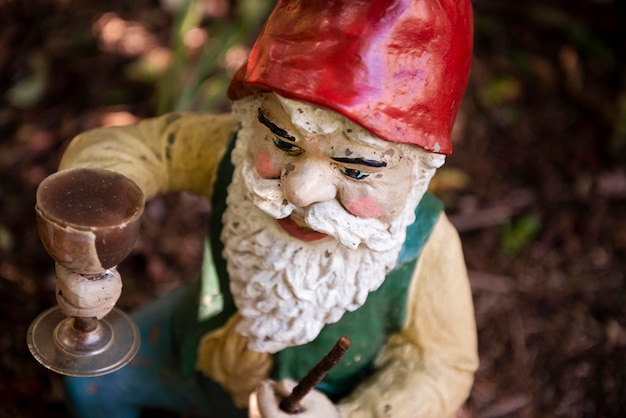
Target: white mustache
(266, 194)
(351, 231)
(327, 217)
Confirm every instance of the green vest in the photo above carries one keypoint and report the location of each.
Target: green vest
(368, 327)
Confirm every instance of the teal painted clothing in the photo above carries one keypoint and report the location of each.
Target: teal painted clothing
(163, 374)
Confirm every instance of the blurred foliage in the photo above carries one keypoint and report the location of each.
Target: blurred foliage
(517, 233)
(578, 33)
(500, 90)
(449, 179)
(29, 89)
(200, 83)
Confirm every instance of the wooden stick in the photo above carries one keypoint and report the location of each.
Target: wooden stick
(291, 404)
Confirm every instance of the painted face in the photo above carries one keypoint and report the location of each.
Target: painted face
(317, 162)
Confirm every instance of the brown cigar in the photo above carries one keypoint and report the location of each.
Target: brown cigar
(291, 404)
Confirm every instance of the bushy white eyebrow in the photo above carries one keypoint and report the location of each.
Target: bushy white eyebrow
(313, 120)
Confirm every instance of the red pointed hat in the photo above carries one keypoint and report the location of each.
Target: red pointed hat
(399, 68)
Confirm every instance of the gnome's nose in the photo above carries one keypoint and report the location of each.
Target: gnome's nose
(308, 182)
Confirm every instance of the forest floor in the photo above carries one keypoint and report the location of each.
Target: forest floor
(536, 186)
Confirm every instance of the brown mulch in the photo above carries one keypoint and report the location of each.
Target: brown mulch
(536, 186)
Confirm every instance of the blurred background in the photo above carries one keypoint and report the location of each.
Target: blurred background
(536, 184)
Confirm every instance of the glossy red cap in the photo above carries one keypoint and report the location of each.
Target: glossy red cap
(399, 68)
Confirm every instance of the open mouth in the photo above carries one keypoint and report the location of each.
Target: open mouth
(296, 227)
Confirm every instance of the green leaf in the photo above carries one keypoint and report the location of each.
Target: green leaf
(517, 233)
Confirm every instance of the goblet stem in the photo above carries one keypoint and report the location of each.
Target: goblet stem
(83, 335)
(85, 324)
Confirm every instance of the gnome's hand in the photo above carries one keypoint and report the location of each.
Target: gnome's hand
(314, 405)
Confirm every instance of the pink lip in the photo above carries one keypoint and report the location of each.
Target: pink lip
(295, 230)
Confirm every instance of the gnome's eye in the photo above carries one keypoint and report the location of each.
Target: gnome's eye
(354, 174)
(287, 147)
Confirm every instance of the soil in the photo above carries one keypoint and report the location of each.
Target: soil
(536, 186)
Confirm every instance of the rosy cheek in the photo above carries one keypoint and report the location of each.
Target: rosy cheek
(266, 166)
(365, 207)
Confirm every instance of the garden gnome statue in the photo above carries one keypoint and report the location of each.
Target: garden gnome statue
(321, 224)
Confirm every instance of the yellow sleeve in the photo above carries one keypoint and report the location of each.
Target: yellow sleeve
(427, 369)
(174, 152)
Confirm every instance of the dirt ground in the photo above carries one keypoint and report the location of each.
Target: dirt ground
(536, 186)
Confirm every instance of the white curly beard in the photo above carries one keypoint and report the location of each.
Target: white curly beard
(286, 289)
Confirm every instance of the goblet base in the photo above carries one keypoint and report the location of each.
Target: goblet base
(60, 346)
